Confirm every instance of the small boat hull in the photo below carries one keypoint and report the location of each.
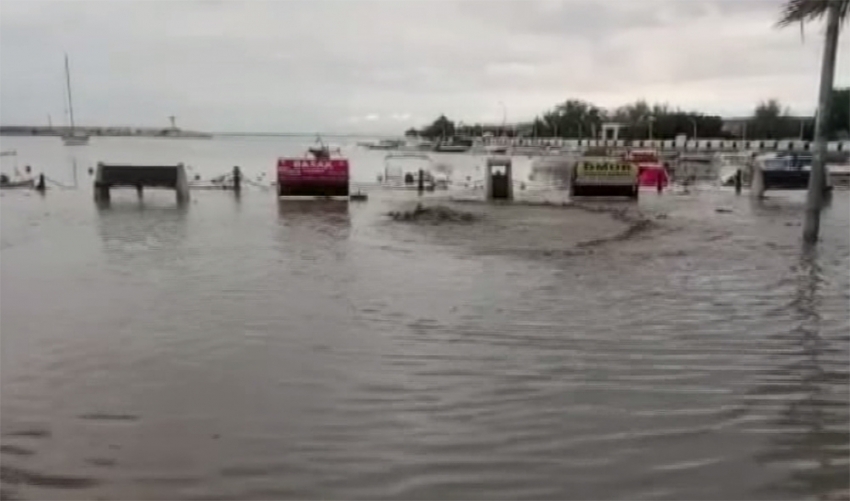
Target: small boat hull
(28, 184)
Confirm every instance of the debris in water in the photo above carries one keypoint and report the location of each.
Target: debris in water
(437, 214)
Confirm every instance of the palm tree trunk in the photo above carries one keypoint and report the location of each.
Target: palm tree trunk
(817, 179)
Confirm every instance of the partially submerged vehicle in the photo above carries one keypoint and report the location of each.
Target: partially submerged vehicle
(651, 171)
(784, 171)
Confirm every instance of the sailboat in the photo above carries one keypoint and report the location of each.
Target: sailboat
(72, 137)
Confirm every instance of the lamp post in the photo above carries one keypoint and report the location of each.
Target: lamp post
(694, 122)
(504, 116)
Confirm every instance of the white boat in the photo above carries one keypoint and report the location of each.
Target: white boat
(384, 144)
(7, 184)
(19, 180)
(416, 145)
(72, 137)
(453, 145)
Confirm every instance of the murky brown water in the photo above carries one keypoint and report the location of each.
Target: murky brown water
(241, 349)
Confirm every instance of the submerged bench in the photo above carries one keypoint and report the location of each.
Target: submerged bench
(110, 176)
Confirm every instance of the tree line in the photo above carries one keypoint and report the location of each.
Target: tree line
(575, 118)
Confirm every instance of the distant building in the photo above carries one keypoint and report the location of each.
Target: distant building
(792, 126)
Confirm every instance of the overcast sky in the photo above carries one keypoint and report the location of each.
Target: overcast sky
(382, 66)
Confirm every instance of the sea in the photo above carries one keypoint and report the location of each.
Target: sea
(237, 347)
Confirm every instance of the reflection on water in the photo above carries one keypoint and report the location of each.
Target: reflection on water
(131, 229)
(300, 216)
(811, 416)
(316, 210)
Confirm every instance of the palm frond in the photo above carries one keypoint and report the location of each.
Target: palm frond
(801, 11)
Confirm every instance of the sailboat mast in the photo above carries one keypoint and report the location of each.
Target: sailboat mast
(68, 83)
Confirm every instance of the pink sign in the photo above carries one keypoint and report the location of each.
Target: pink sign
(308, 169)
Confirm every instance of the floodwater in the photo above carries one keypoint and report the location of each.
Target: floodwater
(245, 349)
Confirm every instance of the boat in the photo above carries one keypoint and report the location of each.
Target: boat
(406, 176)
(6, 183)
(385, 144)
(453, 145)
(26, 184)
(72, 137)
(323, 151)
(416, 145)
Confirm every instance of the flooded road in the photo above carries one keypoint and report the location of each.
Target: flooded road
(242, 349)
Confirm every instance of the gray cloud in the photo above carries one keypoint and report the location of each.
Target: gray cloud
(383, 65)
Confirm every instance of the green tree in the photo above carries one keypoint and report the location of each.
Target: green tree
(572, 118)
(839, 118)
(800, 11)
(771, 121)
(441, 127)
